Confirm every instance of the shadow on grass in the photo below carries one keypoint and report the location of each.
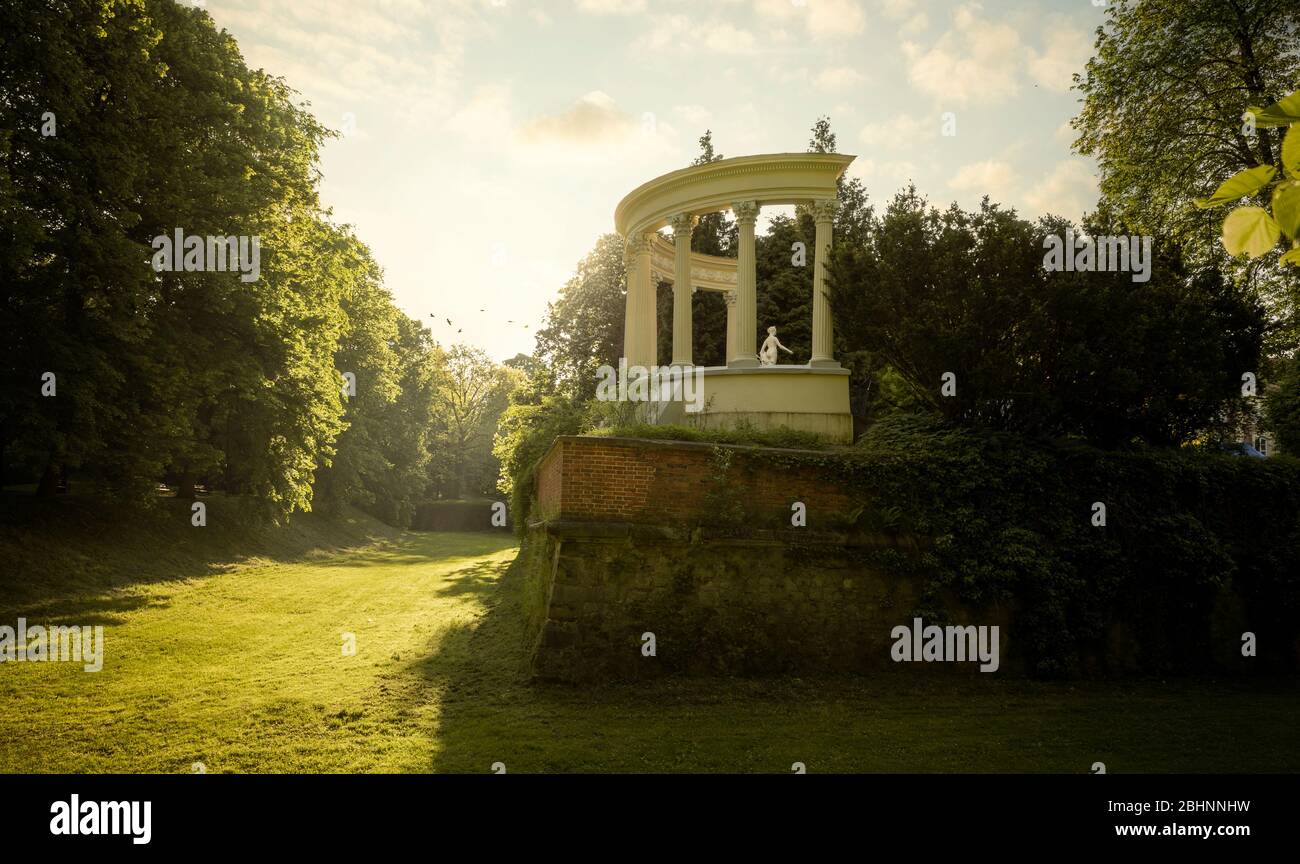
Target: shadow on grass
(906, 721)
(480, 578)
(81, 559)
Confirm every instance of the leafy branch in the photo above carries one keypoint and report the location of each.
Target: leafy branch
(1254, 230)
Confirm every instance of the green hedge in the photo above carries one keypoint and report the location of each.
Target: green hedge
(743, 434)
(1010, 521)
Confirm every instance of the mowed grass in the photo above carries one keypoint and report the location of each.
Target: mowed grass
(240, 667)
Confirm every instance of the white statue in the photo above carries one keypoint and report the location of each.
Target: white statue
(767, 355)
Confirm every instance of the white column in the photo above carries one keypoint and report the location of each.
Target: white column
(744, 352)
(682, 224)
(649, 314)
(636, 258)
(822, 333)
(730, 299)
(631, 303)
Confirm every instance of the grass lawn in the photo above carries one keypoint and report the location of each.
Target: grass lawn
(240, 667)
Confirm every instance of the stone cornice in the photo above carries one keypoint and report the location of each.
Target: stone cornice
(774, 178)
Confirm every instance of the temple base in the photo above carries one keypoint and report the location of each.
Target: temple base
(804, 398)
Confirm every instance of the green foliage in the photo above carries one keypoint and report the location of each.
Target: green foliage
(470, 398)
(584, 326)
(1254, 231)
(196, 377)
(1282, 406)
(782, 437)
(524, 434)
(1010, 522)
(1163, 100)
(1041, 353)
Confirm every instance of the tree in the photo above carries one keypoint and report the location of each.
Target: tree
(185, 374)
(1282, 406)
(854, 213)
(1163, 113)
(584, 325)
(470, 397)
(1092, 354)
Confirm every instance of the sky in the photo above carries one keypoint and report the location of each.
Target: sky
(486, 143)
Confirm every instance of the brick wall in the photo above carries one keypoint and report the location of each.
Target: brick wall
(593, 479)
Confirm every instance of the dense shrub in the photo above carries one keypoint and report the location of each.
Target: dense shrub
(780, 437)
(1082, 353)
(1011, 522)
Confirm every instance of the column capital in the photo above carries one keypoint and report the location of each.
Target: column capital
(638, 243)
(681, 224)
(746, 212)
(823, 209)
(634, 245)
(729, 298)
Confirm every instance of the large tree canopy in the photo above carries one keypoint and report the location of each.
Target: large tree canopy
(122, 121)
(1164, 99)
(1094, 354)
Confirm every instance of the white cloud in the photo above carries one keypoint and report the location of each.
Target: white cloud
(1065, 134)
(839, 78)
(975, 61)
(593, 119)
(899, 132)
(882, 179)
(991, 177)
(824, 19)
(914, 25)
(1066, 52)
(835, 19)
(912, 19)
(485, 117)
(594, 129)
(979, 60)
(694, 115)
(688, 34)
(346, 57)
(611, 7)
(1069, 189)
(896, 9)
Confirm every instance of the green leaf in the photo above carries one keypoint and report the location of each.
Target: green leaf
(1283, 112)
(1250, 230)
(1286, 207)
(1291, 152)
(1239, 185)
(1292, 257)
